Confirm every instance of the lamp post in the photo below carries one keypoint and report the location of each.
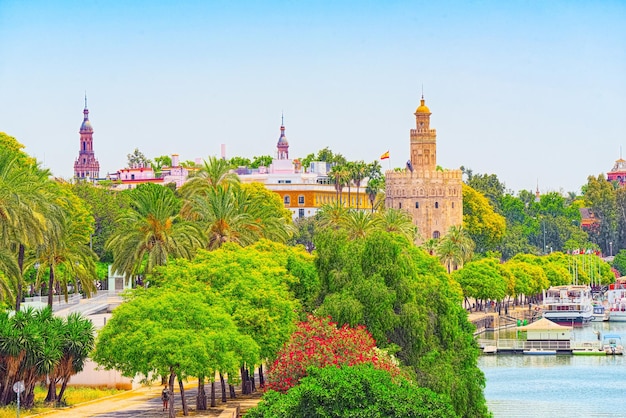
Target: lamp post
(545, 247)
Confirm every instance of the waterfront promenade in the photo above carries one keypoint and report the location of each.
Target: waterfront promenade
(145, 402)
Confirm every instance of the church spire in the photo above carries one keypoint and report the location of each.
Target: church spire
(283, 144)
(86, 165)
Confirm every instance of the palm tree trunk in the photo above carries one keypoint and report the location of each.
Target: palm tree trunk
(50, 286)
(18, 290)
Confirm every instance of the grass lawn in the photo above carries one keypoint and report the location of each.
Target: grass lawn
(72, 396)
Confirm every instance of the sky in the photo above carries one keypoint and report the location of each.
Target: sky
(531, 91)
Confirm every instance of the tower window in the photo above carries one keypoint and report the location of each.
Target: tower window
(400, 205)
(436, 205)
(436, 234)
(452, 205)
(417, 205)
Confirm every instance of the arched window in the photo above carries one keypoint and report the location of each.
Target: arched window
(301, 201)
(436, 205)
(452, 205)
(417, 205)
(400, 205)
(287, 200)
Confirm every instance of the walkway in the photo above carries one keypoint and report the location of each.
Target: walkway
(145, 402)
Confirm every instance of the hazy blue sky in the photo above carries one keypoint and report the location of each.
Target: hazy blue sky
(532, 91)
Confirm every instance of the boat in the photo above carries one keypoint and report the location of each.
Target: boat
(589, 349)
(539, 352)
(612, 344)
(601, 313)
(616, 297)
(569, 304)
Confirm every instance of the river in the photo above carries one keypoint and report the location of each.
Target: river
(570, 386)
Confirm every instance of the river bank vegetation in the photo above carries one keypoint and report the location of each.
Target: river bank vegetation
(223, 280)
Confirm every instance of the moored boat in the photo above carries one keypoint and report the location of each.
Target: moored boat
(539, 352)
(601, 313)
(616, 297)
(612, 344)
(589, 349)
(570, 304)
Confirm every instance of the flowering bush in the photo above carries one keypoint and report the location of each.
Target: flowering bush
(319, 343)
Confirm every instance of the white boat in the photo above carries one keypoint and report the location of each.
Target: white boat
(612, 344)
(570, 304)
(601, 312)
(616, 297)
(539, 352)
(589, 349)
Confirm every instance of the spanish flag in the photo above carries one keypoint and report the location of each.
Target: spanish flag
(384, 156)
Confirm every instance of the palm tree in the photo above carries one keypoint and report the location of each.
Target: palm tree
(151, 232)
(359, 223)
(214, 171)
(359, 172)
(430, 245)
(339, 174)
(77, 343)
(449, 254)
(375, 186)
(233, 214)
(332, 215)
(23, 207)
(459, 237)
(398, 221)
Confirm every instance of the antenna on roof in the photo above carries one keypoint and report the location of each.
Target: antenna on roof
(85, 99)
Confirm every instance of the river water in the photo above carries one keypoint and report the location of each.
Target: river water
(520, 385)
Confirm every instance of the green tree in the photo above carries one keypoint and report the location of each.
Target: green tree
(160, 162)
(481, 280)
(174, 330)
(239, 162)
(619, 262)
(262, 160)
(484, 226)
(137, 159)
(105, 206)
(353, 391)
(387, 284)
(601, 198)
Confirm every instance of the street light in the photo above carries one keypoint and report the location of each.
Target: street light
(543, 223)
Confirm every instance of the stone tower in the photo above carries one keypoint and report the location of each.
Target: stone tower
(86, 166)
(432, 196)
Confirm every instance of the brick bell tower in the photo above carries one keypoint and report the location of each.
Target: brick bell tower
(86, 166)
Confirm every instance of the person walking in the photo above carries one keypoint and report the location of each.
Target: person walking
(165, 396)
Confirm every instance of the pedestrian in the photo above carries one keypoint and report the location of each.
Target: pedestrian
(165, 396)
